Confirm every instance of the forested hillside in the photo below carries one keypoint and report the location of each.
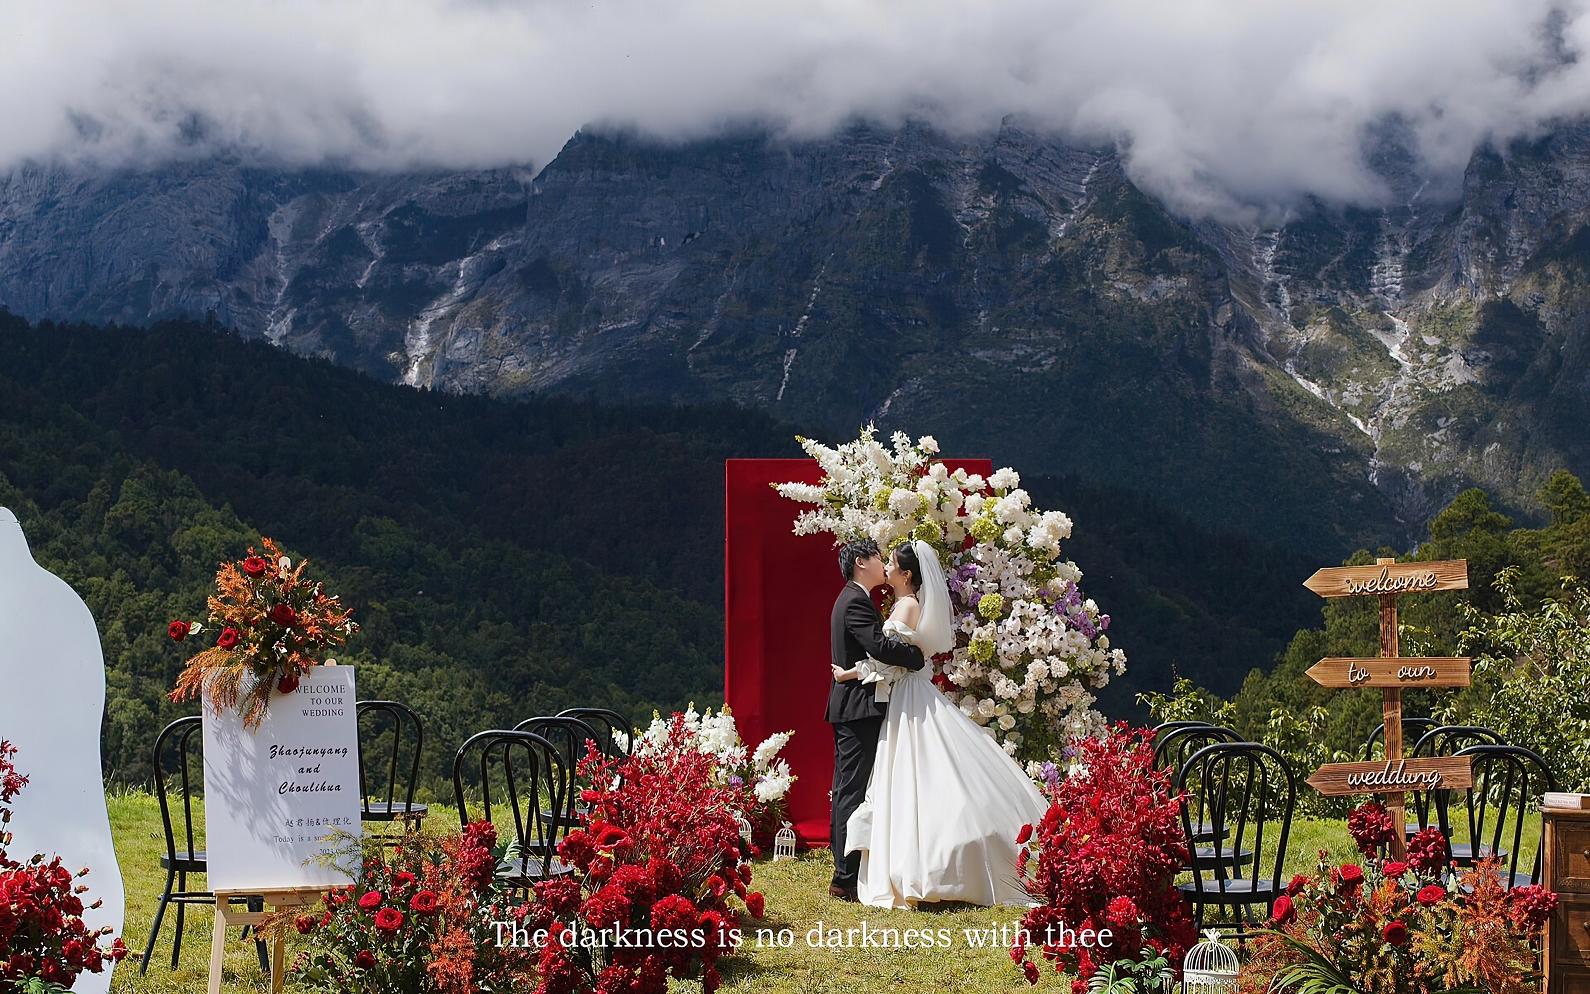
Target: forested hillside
(504, 558)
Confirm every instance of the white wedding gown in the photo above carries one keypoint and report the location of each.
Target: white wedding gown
(943, 808)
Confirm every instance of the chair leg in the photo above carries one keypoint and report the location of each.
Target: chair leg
(154, 929)
(182, 908)
(258, 904)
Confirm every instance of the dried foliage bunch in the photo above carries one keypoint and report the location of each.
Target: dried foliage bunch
(270, 624)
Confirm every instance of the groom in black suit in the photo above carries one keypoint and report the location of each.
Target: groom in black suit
(856, 631)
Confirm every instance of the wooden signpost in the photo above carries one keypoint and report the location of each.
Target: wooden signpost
(1388, 580)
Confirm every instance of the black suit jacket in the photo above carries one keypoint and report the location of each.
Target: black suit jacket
(856, 632)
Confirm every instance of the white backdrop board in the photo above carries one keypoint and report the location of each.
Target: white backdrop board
(52, 696)
(274, 793)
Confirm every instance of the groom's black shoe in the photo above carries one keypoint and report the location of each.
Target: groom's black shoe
(843, 893)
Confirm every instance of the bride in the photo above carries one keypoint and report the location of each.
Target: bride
(945, 802)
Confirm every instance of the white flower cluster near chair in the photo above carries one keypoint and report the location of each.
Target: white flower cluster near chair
(1030, 646)
(716, 734)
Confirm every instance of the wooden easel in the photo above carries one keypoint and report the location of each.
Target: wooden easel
(1387, 580)
(227, 916)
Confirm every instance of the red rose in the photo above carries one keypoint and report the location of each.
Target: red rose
(178, 630)
(371, 899)
(364, 959)
(424, 903)
(1430, 894)
(1024, 835)
(403, 878)
(1395, 933)
(283, 614)
(1296, 886)
(1395, 868)
(288, 683)
(1283, 913)
(389, 920)
(305, 924)
(228, 638)
(1350, 876)
(254, 566)
(756, 904)
(1030, 971)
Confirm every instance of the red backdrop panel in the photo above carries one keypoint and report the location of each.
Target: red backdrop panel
(779, 591)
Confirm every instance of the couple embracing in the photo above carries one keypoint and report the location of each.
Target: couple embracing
(926, 806)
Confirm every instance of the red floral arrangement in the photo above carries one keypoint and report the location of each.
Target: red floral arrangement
(270, 625)
(42, 933)
(659, 859)
(419, 920)
(1107, 853)
(1401, 926)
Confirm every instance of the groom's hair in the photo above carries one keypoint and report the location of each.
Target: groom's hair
(852, 552)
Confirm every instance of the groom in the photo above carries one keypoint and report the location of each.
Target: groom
(856, 631)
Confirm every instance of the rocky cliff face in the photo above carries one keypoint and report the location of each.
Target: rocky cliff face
(1326, 381)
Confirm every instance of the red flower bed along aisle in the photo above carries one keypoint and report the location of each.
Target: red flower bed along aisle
(1105, 857)
(659, 874)
(660, 862)
(1401, 926)
(44, 943)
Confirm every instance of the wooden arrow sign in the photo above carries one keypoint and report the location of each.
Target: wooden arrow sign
(1394, 777)
(1403, 671)
(1390, 578)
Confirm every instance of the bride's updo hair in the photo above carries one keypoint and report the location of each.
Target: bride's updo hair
(905, 558)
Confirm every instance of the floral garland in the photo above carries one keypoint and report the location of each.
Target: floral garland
(44, 943)
(1030, 644)
(271, 624)
(1400, 926)
(759, 776)
(421, 918)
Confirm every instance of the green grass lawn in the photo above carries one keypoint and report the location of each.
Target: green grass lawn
(797, 899)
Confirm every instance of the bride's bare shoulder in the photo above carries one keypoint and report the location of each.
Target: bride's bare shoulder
(906, 609)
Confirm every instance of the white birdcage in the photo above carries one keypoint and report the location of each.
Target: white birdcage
(1210, 967)
(744, 827)
(784, 843)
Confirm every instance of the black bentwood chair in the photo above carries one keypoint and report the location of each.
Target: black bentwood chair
(1170, 752)
(1429, 807)
(615, 737)
(569, 735)
(179, 743)
(1241, 786)
(1508, 782)
(383, 756)
(535, 786)
(1412, 730)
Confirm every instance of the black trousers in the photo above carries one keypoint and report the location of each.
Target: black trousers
(855, 744)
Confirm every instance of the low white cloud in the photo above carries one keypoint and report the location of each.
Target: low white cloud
(1221, 106)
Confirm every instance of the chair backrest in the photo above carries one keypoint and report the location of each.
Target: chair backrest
(615, 735)
(178, 757)
(1172, 748)
(1412, 730)
(1246, 793)
(1508, 782)
(569, 736)
(1166, 727)
(381, 730)
(1429, 807)
(535, 787)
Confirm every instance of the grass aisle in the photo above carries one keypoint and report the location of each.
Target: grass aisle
(797, 899)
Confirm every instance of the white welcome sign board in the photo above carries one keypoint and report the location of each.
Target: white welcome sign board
(275, 793)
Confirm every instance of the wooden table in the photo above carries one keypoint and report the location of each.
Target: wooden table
(227, 916)
(1567, 871)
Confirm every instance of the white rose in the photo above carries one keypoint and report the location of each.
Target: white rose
(927, 443)
(1005, 479)
(1013, 536)
(1006, 722)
